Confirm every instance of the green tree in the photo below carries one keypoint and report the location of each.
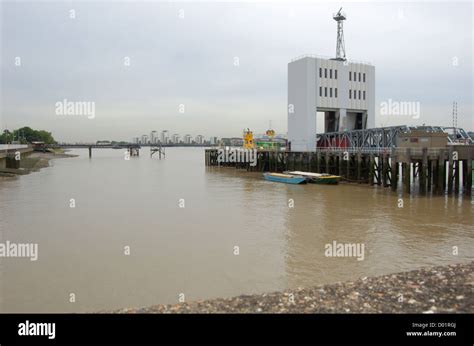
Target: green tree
(27, 135)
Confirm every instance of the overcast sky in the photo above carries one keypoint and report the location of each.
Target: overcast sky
(184, 53)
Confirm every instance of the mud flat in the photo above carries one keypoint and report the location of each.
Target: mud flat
(444, 289)
(33, 163)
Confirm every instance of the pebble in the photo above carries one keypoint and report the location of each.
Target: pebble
(380, 296)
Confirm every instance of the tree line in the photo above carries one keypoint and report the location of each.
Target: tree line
(26, 135)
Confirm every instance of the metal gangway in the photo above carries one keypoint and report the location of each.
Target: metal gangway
(383, 138)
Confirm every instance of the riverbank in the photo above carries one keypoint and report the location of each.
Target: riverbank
(34, 162)
(443, 289)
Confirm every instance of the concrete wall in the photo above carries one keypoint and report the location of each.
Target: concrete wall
(312, 87)
(422, 140)
(302, 104)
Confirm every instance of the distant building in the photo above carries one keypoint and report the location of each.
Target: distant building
(213, 141)
(236, 142)
(154, 137)
(187, 139)
(164, 137)
(422, 139)
(199, 139)
(176, 138)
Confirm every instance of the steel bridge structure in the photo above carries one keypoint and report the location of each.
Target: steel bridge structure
(383, 138)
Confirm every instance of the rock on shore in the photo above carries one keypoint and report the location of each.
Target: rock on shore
(444, 289)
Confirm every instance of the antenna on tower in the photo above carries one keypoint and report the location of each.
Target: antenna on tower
(340, 17)
(455, 116)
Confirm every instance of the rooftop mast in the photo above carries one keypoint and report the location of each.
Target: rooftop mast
(340, 17)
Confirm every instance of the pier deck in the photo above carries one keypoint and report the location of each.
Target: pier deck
(428, 170)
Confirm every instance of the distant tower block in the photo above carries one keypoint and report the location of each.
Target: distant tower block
(344, 90)
(340, 17)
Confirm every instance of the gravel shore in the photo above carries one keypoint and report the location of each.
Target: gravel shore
(445, 289)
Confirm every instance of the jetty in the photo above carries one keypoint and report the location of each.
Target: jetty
(425, 160)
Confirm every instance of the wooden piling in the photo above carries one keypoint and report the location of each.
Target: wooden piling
(394, 172)
(450, 170)
(456, 172)
(371, 169)
(430, 174)
(385, 170)
(406, 176)
(468, 177)
(348, 166)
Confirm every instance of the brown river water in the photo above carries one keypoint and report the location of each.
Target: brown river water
(135, 204)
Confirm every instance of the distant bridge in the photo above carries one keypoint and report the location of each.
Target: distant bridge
(132, 148)
(95, 146)
(119, 146)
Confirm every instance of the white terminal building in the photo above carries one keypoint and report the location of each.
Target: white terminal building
(344, 90)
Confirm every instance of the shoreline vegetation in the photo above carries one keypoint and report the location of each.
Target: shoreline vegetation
(34, 162)
(441, 289)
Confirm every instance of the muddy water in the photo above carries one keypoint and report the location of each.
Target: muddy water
(135, 205)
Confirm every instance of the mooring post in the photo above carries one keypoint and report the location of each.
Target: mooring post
(90, 151)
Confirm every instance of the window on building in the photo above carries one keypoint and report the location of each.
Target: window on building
(330, 92)
(325, 73)
(325, 92)
(359, 93)
(335, 92)
(364, 77)
(320, 72)
(330, 73)
(320, 91)
(350, 93)
(364, 94)
(335, 74)
(350, 75)
(360, 79)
